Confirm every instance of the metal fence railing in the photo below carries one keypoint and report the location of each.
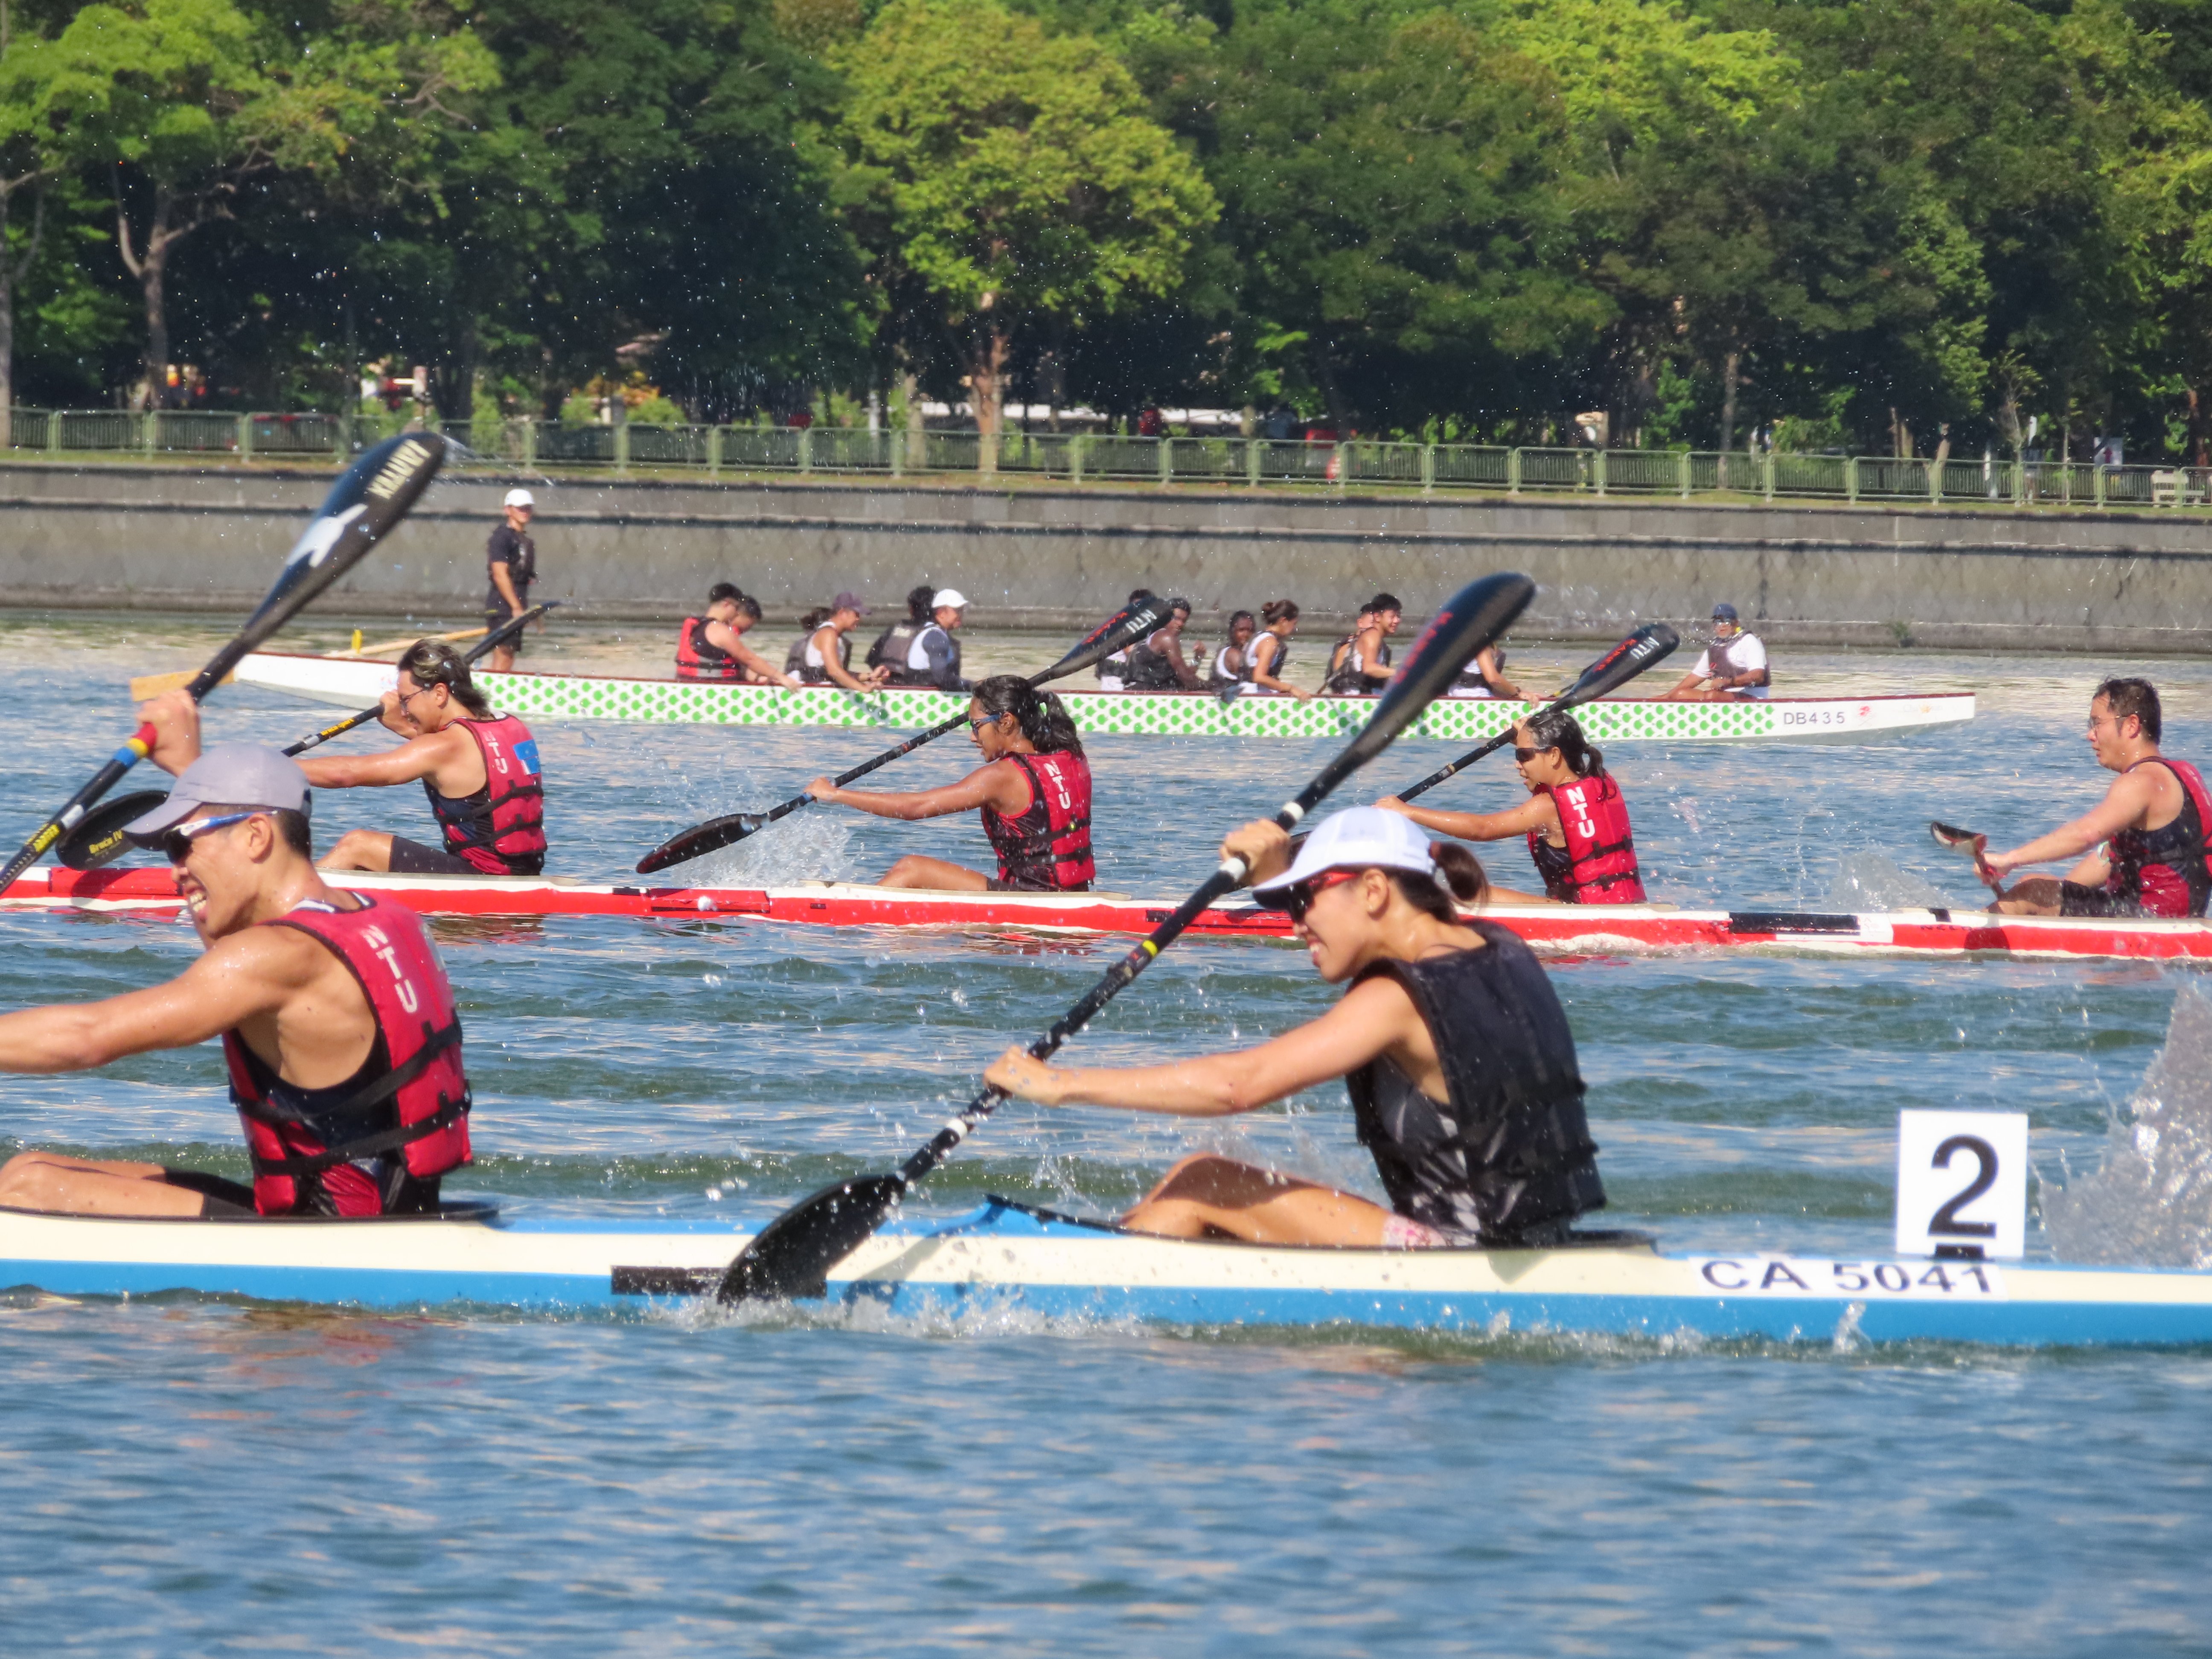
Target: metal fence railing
(1079, 458)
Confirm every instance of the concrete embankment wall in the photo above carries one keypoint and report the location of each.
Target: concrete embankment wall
(159, 539)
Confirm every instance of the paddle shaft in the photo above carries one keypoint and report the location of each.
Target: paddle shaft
(491, 642)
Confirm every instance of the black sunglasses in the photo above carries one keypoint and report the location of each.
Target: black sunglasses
(1297, 900)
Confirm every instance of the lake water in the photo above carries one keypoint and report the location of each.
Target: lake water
(180, 1476)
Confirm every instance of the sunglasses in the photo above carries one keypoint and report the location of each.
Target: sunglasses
(1522, 751)
(987, 719)
(177, 844)
(1299, 899)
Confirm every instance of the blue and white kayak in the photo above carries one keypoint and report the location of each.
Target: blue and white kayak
(1006, 1258)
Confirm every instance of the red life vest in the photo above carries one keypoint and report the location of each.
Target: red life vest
(1601, 852)
(412, 1098)
(698, 657)
(2163, 871)
(1047, 847)
(500, 828)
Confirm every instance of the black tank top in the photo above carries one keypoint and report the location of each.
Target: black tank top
(1555, 867)
(1510, 1154)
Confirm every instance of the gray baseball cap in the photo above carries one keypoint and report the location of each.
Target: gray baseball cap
(228, 774)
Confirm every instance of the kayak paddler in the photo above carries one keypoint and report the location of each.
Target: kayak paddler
(1451, 1043)
(336, 1020)
(2148, 832)
(712, 645)
(1033, 790)
(480, 771)
(1576, 822)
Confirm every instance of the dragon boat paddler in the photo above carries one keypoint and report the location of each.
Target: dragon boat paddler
(1451, 1043)
(337, 1024)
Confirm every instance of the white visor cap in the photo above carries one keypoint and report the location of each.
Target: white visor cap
(519, 498)
(1359, 838)
(951, 596)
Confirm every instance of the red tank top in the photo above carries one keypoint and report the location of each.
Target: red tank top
(1601, 852)
(413, 1101)
(500, 828)
(1047, 848)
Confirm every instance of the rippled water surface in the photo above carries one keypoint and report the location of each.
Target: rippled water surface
(190, 1477)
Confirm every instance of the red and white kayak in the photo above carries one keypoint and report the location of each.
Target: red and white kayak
(1563, 929)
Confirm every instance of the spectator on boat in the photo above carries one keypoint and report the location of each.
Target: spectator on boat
(336, 1020)
(1484, 677)
(1269, 653)
(1157, 663)
(1576, 822)
(1732, 669)
(480, 771)
(1451, 1043)
(1033, 790)
(933, 659)
(511, 558)
(1229, 671)
(711, 647)
(2148, 834)
(822, 653)
(893, 645)
(1360, 664)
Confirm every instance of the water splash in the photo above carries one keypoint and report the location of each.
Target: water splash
(1868, 881)
(2150, 1204)
(808, 846)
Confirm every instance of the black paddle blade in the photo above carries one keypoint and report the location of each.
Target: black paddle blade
(1138, 619)
(370, 497)
(702, 839)
(1646, 646)
(791, 1257)
(98, 838)
(1949, 835)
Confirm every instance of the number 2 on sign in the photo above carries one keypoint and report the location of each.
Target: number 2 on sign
(1961, 1184)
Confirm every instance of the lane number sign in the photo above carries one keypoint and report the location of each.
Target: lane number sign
(1962, 1184)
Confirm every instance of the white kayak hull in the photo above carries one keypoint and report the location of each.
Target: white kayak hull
(1559, 929)
(350, 682)
(1006, 1259)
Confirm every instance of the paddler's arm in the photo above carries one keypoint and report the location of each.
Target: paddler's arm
(1375, 673)
(723, 637)
(825, 644)
(1485, 663)
(175, 719)
(1537, 812)
(1373, 1015)
(1267, 676)
(502, 578)
(417, 758)
(249, 973)
(997, 785)
(2123, 806)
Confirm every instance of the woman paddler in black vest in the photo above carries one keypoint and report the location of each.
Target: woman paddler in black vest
(1451, 1043)
(1033, 790)
(1575, 819)
(480, 771)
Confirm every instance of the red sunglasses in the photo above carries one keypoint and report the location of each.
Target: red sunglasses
(1299, 899)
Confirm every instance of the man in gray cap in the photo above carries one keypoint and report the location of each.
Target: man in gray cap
(1733, 668)
(336, 1021)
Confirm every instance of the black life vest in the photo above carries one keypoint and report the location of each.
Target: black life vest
(915, 670)
(2163, 871)
(794, 660)
(1510, 1151)
(1282, 658)
(500, 828)
(1601, 852)
(1112, 671)
(411, 1097)
(1349, 676)
(697, 659)
(893, 645)
(1047, 848)
(1151, 670)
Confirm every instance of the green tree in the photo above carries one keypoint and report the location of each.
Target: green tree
(1020, 174)
(31, 159)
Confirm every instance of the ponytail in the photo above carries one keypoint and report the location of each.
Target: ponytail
(1041, 716)
(1277, 611)
(1555, 728)
(1463, 880)
(814, 619)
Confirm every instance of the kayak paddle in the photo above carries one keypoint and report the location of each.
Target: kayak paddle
(491, 642)
(792, 1256)
(370, 497)
(99, 840)
(1969, 842)
(1646, 646)
(1133, 621)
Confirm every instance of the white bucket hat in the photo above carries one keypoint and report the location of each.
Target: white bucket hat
(1358, 838)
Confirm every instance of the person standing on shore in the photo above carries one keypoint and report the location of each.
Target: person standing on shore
(511, 560)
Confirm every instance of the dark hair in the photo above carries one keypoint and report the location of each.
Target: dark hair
(1235, 616)
(813, 621)
(721, 591)
(2136, 697)
(1555, 728)
(749, 606)
(1463, 875)
(1277, 611)
(917, 602)
(1136, 593)
(1384, 602)
(297, 833)
(1040, 716)
(1179, 604)
(434, 662)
